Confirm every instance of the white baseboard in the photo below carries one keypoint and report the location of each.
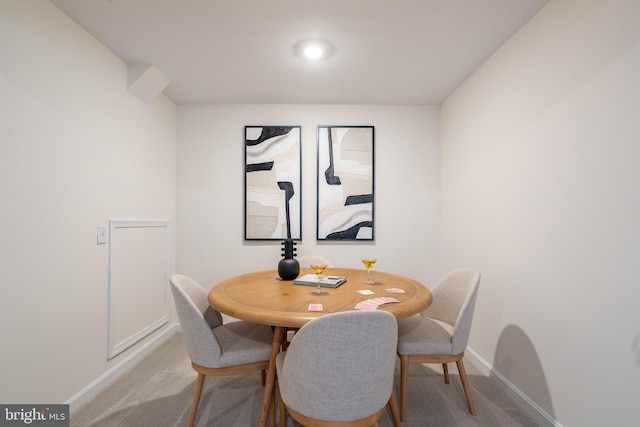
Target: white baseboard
(93, 389)
(521, 399)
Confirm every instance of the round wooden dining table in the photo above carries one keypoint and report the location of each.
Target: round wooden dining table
(262, 297)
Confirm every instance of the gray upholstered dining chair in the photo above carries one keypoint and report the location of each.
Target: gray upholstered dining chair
(440, 333)
(338, 370)
(215, 348)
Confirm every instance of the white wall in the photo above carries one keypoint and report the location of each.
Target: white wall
(541, 165)
(210, 244)
(76, 150)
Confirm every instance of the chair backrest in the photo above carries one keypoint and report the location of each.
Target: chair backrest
(306, 260)
(197, 319)
(454, 300)
(339, 367)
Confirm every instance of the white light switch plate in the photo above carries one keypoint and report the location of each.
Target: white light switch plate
(102, 234)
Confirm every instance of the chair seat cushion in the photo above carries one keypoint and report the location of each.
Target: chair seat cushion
(243, 342)
(424, 336)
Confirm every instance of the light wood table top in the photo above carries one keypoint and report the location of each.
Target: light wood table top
(263, 297)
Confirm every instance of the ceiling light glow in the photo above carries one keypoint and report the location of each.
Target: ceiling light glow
(313, 52)
(313, 49)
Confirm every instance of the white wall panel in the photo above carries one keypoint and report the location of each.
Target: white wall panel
(138, 281)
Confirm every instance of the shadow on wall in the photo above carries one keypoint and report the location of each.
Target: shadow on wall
(635, 347)
(517, 360)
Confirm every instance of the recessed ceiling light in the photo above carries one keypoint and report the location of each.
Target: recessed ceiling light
(313, 49)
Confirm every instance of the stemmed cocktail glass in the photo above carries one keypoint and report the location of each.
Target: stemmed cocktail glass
(368, 263)
(318, 269)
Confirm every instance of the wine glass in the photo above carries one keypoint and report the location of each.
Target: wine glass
(318, 269)
(368, 263)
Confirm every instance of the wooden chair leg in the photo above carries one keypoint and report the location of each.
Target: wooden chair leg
(263, 374)
(272, 410)
(197, 391)
(283, 412)
(404, 378)
(393, 405)
(465, 386)
(445, 368)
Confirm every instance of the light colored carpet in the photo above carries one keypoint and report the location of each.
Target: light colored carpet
(157, 392)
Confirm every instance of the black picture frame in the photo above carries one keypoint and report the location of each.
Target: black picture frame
(345, 183)
(272, 183)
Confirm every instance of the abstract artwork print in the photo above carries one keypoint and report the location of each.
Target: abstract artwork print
(272, 183)
(345, 183)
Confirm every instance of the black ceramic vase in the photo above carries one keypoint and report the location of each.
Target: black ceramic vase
(288, 267)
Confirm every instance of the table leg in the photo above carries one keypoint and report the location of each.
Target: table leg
(393, 405)
(278, 337)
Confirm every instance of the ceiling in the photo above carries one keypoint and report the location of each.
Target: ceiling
(241, 51)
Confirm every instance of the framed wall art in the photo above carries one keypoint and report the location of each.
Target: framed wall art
(272, 180)
(345, 183)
